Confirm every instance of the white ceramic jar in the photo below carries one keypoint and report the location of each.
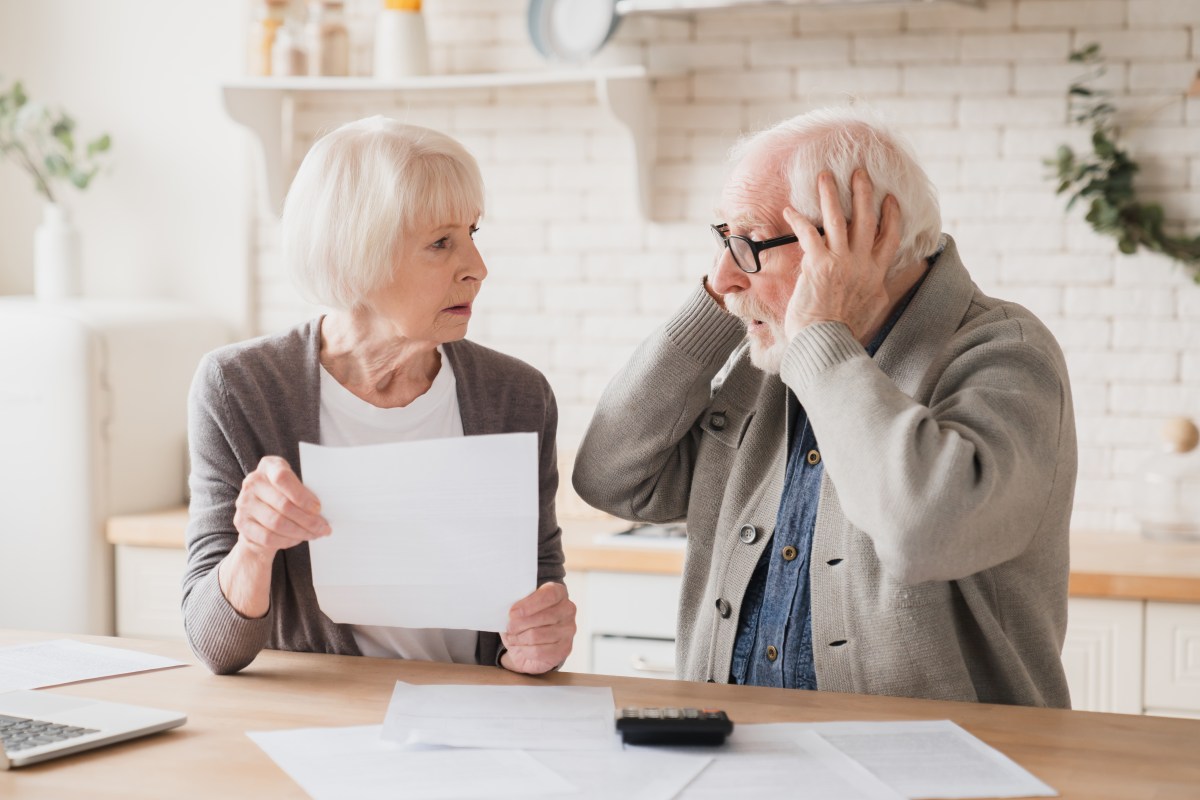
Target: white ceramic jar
(401, 47)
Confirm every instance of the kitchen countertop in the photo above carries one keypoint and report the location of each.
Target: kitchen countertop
(1105, 565)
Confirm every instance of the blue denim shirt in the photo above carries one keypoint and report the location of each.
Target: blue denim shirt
(774, 642)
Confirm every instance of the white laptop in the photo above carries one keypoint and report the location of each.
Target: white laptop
(36, 726)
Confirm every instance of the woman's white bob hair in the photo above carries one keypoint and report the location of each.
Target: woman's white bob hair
(842, 139)
(358, 192)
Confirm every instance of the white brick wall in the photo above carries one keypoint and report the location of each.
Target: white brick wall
(577, 277)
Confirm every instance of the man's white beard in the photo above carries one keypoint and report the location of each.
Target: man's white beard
(769, 358)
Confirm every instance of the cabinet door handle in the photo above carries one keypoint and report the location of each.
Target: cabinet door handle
(641, 664)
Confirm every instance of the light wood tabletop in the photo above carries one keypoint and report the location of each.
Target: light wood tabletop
(1085, 756)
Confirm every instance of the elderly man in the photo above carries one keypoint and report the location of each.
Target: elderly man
(875, 460)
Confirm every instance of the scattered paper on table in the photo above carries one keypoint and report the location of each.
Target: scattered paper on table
(506, 717)
(797, 764)
(630, 774)
(336, 763)
(33, 666)
(440, 533)
(932, 759)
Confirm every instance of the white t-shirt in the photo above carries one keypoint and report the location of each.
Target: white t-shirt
(347, 420)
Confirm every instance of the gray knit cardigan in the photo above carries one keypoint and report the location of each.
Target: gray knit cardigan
(940, 555)
(262, 397)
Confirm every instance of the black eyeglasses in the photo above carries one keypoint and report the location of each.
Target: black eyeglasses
(745, 250)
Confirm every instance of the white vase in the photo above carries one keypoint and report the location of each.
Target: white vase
(57, 272)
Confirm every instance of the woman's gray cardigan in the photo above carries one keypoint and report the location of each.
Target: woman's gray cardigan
(262, 397)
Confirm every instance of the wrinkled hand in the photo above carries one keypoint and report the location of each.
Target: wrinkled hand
(541, 627)
(275, 510)
(843, 277)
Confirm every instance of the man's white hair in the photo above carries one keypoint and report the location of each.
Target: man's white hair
(359, 190)
(841, 139)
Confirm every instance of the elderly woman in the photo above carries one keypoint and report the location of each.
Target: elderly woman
(379, 226)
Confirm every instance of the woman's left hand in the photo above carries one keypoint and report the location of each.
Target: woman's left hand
(541, 627)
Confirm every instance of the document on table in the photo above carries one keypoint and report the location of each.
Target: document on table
(336, 763)
(503, 717)
(919, 758)
(441, 533)
(33, 666)
(355, 762)
(798, 764)
(932, 759)
(632, 774)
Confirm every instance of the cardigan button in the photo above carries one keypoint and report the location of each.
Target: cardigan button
(717, 421)
(723, 608)
(748, 534)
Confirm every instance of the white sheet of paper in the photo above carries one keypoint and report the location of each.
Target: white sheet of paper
(932, 759)
(799, 764)
(502, 717)
(440, 533)
(641, 773)
(336, 763)
(33, 666)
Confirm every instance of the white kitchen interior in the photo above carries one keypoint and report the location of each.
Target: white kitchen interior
(601, 180)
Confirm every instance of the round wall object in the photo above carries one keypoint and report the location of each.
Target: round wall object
(571, 30)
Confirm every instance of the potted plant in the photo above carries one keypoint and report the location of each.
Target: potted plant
(41, 141)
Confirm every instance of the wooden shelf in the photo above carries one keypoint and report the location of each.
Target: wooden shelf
(264, 105)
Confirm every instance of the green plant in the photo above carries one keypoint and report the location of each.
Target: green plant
(1104, 178)
(42, 142)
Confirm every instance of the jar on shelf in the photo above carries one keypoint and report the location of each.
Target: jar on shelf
(327, 39)
(288, 57)
(401, 47)
(269, 19)
(1168, 499)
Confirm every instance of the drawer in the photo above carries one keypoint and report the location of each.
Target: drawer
(149, 591)
(633, 657)
(627, 604)
(1173, 656)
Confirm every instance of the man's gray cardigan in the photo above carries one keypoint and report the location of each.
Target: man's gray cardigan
(940, 554)
(261, 398)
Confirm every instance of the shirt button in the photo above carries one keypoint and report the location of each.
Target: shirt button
(772, 652)
(814, 457)
(789, 553)
(717, 421)
(723, 608)
(748, 534)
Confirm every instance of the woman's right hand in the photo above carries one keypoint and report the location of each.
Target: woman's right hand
(276, 511)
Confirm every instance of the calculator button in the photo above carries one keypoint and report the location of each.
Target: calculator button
(671, 713)
(691, 713)
(651, 713)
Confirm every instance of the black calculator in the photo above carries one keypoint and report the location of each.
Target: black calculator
(680, 726)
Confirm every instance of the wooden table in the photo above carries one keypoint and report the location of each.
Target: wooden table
(1084, 756)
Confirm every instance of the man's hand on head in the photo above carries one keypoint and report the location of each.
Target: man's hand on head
(843, 277)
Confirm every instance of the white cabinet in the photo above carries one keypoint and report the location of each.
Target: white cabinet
(626, 623)
(150, 591)
(1102, 654)
(1173, 659)
(1133, 656)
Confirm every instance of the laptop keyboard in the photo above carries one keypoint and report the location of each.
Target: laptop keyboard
(18, 733)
